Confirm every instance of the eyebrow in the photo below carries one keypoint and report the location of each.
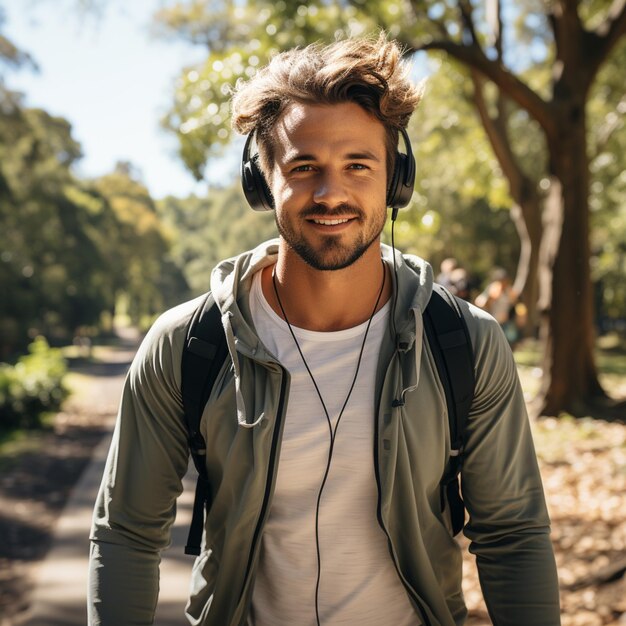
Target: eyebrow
(300, 158)
(366, 155)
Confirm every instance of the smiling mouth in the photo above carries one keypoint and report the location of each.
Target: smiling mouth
(327, 222)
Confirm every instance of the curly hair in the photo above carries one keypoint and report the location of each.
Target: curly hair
(368, 71)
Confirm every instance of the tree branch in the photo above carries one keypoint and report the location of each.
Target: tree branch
(602, 40)
(498, 137)
(465, 9)
(511, 85)
(10, 54)
(522, 189)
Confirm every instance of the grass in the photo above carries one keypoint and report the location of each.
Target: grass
(610, 360)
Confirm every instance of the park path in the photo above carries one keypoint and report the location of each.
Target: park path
(60, 580)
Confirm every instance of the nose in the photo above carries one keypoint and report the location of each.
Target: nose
(330, 189)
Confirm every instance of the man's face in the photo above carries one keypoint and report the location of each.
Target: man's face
(329, 182)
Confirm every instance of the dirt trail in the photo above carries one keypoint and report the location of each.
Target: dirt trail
(38, 474)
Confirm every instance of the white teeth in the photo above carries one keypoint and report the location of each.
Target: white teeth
(331, 222)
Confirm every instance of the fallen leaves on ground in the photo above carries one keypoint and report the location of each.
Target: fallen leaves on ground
(583, 464)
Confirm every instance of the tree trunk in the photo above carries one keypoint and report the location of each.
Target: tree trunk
(570, 378)
(527, 220)
(526, 212)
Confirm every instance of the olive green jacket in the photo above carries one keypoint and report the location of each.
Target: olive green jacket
(242, 425)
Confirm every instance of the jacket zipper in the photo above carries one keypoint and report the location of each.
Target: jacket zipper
(269, 480)
(409, 589)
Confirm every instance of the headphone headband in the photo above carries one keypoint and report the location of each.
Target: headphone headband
(259, 196)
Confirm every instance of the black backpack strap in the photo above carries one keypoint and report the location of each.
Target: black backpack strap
(450, 344)
(204, 353)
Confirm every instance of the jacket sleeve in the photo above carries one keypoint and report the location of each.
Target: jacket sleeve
(508, 525)
(136, 504)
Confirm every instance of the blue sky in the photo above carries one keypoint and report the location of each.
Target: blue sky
(110, 79)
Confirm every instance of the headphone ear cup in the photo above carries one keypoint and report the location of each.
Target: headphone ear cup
(395, 186)
(403, 180)
(253, 183)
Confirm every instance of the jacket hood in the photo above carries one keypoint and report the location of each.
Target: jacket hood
(413, 283)
(231, 279)
(231, 282)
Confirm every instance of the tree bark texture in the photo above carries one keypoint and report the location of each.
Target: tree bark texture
(570, 379)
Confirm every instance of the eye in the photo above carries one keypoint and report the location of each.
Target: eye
(302, 168)
(358, 166)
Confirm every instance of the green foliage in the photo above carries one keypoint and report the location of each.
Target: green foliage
(70, 248)
(207, 230)
(607, 138)
(240, 37)
(32, 387)
(51, 261)
(137, 249)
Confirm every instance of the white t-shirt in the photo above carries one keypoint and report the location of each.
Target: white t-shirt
(359, 583)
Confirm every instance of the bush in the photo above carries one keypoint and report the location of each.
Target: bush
(32, 387)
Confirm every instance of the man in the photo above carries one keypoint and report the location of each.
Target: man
(326, 430)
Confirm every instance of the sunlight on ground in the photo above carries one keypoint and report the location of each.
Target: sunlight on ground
(583, 465)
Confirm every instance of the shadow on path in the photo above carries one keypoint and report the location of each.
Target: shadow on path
(59, 597)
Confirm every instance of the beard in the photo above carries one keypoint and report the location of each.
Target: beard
(332, 253)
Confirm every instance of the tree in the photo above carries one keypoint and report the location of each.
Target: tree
(44, 232)
(138, 248)
(51, 263)
(206, 230)
(570, 377)
(69, 248)
(570, 40)
(607, 202)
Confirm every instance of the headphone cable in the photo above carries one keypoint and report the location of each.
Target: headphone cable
(332, 431)
(394, 301)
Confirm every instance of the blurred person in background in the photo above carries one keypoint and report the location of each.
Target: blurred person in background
(500, 300)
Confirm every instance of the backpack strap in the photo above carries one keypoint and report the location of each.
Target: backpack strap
(204, 353)
(450, 344)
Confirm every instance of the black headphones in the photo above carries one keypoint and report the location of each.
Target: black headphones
(259, 196)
